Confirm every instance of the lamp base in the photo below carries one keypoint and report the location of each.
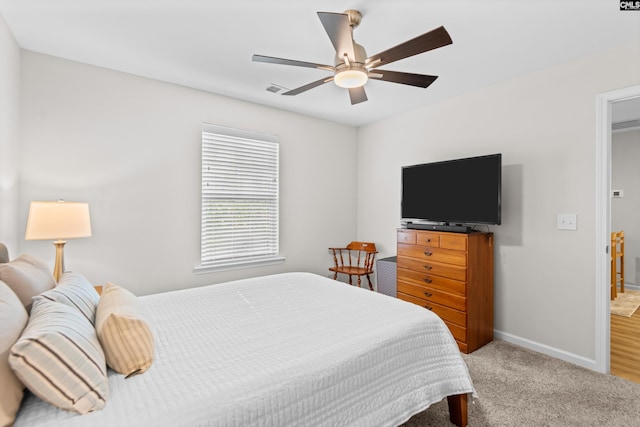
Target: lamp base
(58, 267)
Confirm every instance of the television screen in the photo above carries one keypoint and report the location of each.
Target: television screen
(461, 191)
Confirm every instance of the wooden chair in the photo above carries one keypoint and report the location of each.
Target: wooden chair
(356, 259)
(617, 252)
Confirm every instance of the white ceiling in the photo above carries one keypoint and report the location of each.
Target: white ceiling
(208, 44)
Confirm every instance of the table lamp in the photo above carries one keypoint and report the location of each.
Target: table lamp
(58, 221)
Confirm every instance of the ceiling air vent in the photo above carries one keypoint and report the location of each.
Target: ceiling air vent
(274, 88)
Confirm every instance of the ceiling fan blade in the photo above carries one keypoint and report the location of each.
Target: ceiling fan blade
(428, 41)
(282, 61)
(419, 80)
(309, 86)
(357, 95)
(339, 31)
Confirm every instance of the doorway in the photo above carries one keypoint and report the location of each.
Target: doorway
(604, 107)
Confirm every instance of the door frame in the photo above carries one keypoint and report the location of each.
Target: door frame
(604, 103)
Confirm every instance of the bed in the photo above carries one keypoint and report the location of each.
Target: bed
(286, 349)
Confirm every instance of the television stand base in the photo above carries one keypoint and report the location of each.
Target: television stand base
(440, 227)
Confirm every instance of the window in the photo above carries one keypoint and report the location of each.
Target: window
(239, 198)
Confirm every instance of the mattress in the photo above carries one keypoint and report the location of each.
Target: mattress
(289, 349)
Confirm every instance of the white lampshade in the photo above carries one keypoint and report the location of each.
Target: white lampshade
(58, 220)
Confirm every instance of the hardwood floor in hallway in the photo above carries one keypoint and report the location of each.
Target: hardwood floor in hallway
(625, 346)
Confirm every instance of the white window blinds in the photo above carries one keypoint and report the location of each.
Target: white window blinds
(239, 196)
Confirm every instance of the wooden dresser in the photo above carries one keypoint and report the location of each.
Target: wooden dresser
(452, 275)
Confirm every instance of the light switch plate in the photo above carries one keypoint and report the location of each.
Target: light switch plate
(567, 221)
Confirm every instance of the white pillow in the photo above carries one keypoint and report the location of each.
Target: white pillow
(124, 331)
(27, 276)
(13, 318)
(59, 358)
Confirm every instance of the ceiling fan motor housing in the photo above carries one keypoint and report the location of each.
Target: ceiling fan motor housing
(351, 72)
(359, 53)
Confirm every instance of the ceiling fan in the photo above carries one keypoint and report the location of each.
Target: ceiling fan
(352, 68)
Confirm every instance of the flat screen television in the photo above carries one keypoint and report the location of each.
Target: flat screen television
(454, 192)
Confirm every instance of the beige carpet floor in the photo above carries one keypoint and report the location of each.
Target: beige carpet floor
(519, 387)
(626, 303)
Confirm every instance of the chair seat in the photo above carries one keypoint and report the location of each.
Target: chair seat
(351, 270)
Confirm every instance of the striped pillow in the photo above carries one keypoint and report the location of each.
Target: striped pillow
(74, 290)
(124, 331)
(59, 358)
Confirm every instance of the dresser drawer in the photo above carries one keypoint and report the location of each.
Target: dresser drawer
(460, 334)
(433, 295)
(433, 268)
(445, 284)
(448, 314)
(453, 241)
(408, 237)
(427, 238)
(427, 253)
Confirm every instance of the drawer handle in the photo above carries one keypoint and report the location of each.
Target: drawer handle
(428, 240)
(428, 267)
(427, 280)
(428, 294)
(428, 253)
(428, 308)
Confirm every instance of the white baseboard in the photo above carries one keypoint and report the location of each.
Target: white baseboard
(552, 351)
(545, 349)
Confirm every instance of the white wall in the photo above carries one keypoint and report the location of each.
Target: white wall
(130, 147)
(9, 134)
(625, 175)
(544, 125)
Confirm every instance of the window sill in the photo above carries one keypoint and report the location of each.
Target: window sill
(237, 264)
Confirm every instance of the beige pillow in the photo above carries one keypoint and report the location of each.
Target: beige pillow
(59, 358)
(76, 291)
(124, 332)
(13, 318)
(27, 276)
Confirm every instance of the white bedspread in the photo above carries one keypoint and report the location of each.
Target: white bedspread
(293, 349)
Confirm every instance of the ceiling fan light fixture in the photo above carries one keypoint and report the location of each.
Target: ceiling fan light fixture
(351, 77)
